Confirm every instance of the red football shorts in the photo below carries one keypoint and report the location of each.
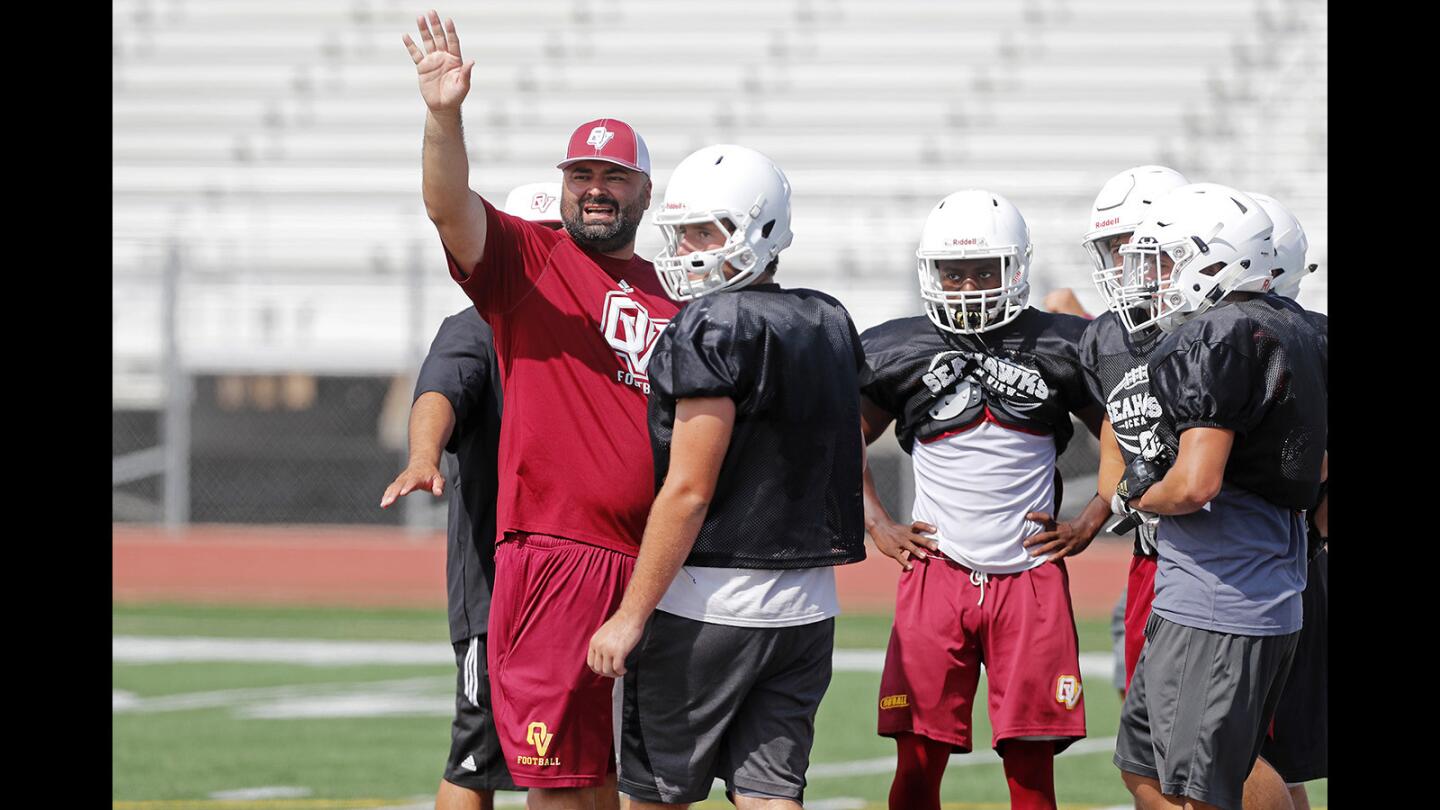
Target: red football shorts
(552, 713)
(1023, 631)
(1139, 596)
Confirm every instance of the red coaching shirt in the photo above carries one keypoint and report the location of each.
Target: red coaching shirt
(574, 331)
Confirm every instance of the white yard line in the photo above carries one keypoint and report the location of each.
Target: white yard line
(259, 793)
(126, 702)
(318, 652)
(309, 652)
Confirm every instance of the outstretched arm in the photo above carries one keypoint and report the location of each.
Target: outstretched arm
(432, 419)
(457, 212)
(702, 435)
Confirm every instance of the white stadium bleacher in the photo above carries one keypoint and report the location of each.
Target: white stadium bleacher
(278, 143)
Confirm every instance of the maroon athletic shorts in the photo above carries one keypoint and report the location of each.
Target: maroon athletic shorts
(1139, 596)
(1023, 630)
(552, 713)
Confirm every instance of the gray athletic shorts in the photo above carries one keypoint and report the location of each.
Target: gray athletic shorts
(1198, 708)
(705, 701)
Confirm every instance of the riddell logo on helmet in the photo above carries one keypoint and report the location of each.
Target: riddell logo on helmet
(1105, 223)
(964, 242)
(670, 205)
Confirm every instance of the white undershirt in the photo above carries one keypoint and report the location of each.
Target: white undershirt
(976, 488)
(752, 597)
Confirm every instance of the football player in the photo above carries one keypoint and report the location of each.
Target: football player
(1117, 371)
(1114, 364)
(981, 389)
(726, 632)
(1241, 381)
(1299, 743)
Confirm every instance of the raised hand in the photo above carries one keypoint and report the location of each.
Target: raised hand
(444, 75)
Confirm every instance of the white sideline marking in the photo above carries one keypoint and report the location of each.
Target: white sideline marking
(267, 792)
(370, 704)
(310, 652)
(317, 652)
(124, 702)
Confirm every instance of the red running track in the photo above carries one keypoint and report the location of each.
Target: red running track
(364, 566)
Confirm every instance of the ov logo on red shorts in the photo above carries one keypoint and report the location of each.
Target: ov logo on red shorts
(1067, 690)
(539, 736)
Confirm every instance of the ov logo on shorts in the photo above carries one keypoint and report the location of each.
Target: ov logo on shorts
(539, 736)
(1067, 690)
(599, 136)
(894, 701)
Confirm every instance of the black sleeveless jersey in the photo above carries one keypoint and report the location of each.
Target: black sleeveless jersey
(1258, 367)
(789, 492)
(1117, 373)
(1025, 376)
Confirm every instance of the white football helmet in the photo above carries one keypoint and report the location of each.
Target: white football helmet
(1198, 244)
(975, 224)
(537, 202)
(1120, 206)
(1290, 247)
(723, 182)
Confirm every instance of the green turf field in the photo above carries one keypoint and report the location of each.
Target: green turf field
(314, 736)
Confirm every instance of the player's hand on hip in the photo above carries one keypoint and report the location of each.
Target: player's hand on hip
(415, 477)
(612, 644)
(1058, 539)
(900, 543)
(444, 75)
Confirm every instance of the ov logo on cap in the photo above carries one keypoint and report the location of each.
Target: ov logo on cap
(599, 136)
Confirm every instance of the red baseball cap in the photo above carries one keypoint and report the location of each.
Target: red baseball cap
(611, 140)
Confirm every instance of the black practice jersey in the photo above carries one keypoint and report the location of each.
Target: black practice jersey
(1118, 375)
(461, 366)
(1025, 375)
(1258, 367)
(1117, 372)
(789, 493)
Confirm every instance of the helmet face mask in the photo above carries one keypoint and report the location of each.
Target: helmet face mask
(715, 186)
(969, 225)
(687, 276)
(1146, 293)
(978, 310)
(1104, 253)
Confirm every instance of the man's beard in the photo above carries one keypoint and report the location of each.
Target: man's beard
(602, 237)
